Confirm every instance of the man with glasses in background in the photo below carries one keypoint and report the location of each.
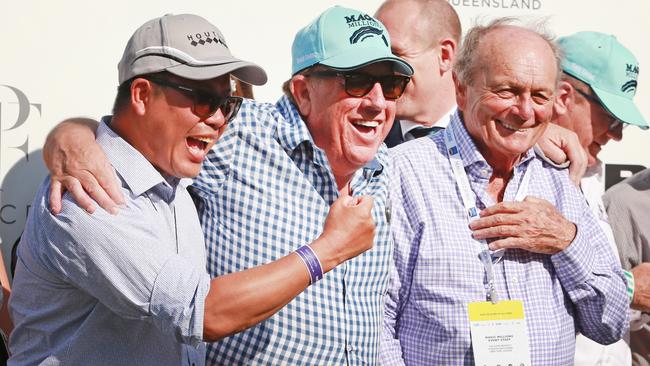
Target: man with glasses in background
(595, 101)
(266, 187)
(130, 287)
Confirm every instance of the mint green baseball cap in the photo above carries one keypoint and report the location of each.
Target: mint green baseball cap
(609, 68)
(344, 39)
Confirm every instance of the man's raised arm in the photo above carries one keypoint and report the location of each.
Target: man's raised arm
(237, 301)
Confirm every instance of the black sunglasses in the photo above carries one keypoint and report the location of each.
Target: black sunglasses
(358, 84)
(206, 104)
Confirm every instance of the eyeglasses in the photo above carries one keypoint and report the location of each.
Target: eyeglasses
(358, 85)
(615, 121)
(206, 104)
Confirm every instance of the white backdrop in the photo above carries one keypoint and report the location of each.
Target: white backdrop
(59, 58)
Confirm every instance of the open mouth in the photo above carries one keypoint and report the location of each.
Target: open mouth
(366, 126)
(198, 145)
(511, 127)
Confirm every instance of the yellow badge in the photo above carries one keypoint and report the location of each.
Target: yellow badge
(499, 333)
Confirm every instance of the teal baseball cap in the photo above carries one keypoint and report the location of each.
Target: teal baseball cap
(344, 39)
(609, 68)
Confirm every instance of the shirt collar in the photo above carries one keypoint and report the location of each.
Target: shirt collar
(291, 130)
(468, 150)
(408, 125)
(376, 165)
(136, 171)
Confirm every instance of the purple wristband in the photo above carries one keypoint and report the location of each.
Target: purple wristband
(311, 262)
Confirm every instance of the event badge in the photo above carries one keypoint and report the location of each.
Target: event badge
(499, 333)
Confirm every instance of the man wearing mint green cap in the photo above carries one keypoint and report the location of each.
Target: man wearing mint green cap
(595, 100)
(266, 187)
(130, 287)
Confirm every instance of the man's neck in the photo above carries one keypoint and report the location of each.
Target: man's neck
(429, 117)
(343, 184)
(502, 168)
(497, 185)
(437, 107)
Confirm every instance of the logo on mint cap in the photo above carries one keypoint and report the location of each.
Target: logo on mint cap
(630, 86)
(360, 20)
(362, 33)
(631, 71)
(368, 28)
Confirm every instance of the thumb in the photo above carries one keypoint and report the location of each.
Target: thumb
(365, 201)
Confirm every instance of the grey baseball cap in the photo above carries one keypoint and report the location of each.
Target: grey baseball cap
(186, 45)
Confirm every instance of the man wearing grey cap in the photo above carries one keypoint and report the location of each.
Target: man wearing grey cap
(131, 288)
(595, 100)
(270, 179)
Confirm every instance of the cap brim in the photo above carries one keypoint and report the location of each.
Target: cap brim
(622, 108)
(245, 71)
(361, 57)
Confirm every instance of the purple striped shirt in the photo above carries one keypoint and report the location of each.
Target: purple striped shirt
(437, 271)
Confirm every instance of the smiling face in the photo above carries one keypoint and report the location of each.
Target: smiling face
(169, 134)
(510, 100)
(349, 129)
(590, 121)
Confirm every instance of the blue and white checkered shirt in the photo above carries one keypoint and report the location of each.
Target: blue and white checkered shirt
(102, 289)
(437, 273)
(264, 191)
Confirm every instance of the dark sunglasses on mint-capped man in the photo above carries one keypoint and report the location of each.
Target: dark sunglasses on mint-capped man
(358, 84)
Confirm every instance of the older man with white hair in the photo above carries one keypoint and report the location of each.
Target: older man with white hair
(498, 259)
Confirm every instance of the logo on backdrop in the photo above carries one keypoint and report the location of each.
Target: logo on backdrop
(499, 4)
(21, 108)
(15, 112)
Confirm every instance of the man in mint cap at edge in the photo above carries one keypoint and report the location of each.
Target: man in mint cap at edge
(595, 100)
(266, 186)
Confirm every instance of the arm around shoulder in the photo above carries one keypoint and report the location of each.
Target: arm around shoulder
(77, 164)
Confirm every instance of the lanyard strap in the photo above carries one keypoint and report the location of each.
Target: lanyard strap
(469, 201)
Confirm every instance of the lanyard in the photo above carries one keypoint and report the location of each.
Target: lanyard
(469, 201)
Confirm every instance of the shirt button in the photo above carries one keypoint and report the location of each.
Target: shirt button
(514, 279)
(484, 172)
(350, 348)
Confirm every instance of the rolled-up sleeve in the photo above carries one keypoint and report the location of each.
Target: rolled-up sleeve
(177, 299)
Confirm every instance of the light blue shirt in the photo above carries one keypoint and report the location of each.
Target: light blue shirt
(112, 290)
(265, 190)
(438, 271)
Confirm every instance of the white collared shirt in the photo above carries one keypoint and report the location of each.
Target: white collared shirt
(408, 125)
